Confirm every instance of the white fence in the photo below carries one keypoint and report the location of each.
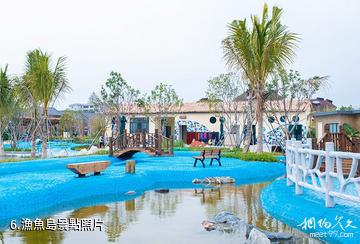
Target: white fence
(303, 169)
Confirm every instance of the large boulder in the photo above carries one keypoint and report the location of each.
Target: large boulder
(257, 237)
(227, 222)
(93, 149)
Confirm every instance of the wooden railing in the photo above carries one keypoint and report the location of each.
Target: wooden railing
(341, 141)
(154, 142)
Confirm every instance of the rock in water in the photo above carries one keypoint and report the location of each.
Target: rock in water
(227, 222)
(162, 190)
(214, 180)
(257, 237)
(130, 193)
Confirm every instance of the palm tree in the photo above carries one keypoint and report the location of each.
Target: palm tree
(257, 52)
(6, 104)
(27, 100)
(46, 84)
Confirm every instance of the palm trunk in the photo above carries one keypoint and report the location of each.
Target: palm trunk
(33, 132)
(259, 120)
(248, 135)
(45, 136)
(2, 151)
(248, 125)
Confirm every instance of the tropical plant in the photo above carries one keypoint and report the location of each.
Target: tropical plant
(223, 92)
(97, 126)
(258, 52)
(350, 131)
(160, 104)
(117, 98)
(46, 83)
(289, 93)
(71, 121)
(345, 108)
(28, 102)
(6, 104)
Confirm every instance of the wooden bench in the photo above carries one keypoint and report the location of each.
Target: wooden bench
(213, 154)
(89, 167)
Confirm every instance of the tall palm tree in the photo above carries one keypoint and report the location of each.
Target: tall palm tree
(28, 101)
(6, 103)
(46, 84)
(257, 52)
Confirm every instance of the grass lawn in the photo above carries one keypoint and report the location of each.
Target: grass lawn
(252, 156)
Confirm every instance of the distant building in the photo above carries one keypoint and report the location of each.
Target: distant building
(82, 107)
(196, 121)
(335, 119)
(320, 104)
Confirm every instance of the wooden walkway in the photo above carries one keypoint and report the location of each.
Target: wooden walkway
(154, 144)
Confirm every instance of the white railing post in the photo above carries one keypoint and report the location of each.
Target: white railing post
(288, 162)
(309, 142)
(298, 188)
(329, 167)
(301, 171)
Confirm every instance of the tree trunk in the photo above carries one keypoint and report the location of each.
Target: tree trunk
(2, 151)
(259, 120)
(33, 144)
(248, 135)
(248, 124)
(45, 136)
(117, 142)
(33, 132)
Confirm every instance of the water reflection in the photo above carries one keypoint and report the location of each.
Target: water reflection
(37, 237)
(162, 217)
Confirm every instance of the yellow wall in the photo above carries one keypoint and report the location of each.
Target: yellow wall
(352, 120)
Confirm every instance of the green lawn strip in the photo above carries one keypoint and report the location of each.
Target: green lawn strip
(252, 156)
(17, 149)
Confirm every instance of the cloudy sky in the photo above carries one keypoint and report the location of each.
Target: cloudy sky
(174, 41)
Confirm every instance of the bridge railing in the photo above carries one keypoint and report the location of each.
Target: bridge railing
(151, 141)
(322, 171)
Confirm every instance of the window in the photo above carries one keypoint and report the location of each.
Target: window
(212, 120)
(334, 128)
(271, 119)
(138, 125)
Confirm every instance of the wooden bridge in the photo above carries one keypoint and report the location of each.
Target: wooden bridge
(155, 144)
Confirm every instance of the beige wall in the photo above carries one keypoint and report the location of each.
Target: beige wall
(204, 119)
(352, 120)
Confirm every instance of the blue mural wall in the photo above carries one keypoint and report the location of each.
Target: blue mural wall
(191, 125)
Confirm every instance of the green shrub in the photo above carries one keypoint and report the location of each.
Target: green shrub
(101, 152)
(17, 149)
(178, 143)
(252, 156)
(223, 149)
(79, 148)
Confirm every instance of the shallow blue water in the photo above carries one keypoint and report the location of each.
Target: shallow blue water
(281, 202)
(42, 187)
(51, 145)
